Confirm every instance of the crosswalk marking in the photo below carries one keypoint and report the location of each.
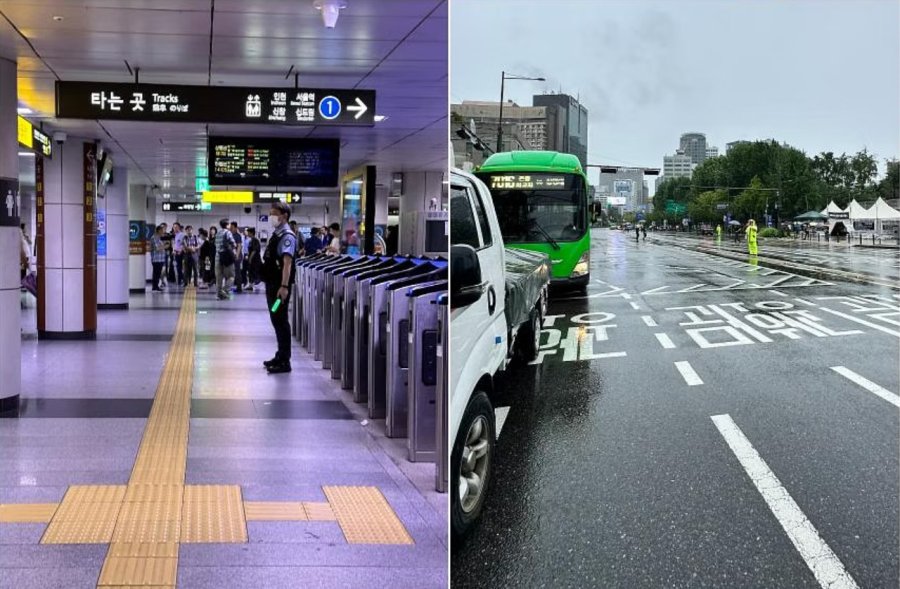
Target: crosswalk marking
(868, 385)
(824, 564)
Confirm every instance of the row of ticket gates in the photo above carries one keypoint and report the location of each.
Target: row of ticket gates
(379, 324)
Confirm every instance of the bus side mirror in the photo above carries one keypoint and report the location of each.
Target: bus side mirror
(466, 286)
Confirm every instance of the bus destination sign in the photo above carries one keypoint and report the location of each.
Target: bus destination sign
(214, 104)
(528, 182)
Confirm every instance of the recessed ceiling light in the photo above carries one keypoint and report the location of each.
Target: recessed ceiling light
(26, 154)
(58, 18)
(331, 10)
(379, 118)
(24, 110)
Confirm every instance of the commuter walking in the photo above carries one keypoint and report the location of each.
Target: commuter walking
(637, 233)
(208, 257)
(314, 243)
(190, 247)
(644, 232)
(254, 259)
(178, 252)
(278, 275)
(225, 257)
(333, 245)
(751, 237)
(238, 257)
(157, 257)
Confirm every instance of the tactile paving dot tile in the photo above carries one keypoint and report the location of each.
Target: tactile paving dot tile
(365, 516)
(212, 493)
(167, 510)
(318, 512)
(213, 521)
(274, 511)
(139, 493)
(27, 513)
(118, 570)
(137, 530)
(80, 511)
(79, 532)
(144, 549)
(95, 493)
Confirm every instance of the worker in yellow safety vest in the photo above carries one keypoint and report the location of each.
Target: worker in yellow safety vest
(719, 232)
(751, 237)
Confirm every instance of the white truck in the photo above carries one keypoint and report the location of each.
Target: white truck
(498, 297)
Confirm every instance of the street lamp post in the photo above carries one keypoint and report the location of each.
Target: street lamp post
(503, 78)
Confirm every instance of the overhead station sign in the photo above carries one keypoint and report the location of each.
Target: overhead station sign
(214, 104)
(262, 161)
(186, 206)
(30, 137)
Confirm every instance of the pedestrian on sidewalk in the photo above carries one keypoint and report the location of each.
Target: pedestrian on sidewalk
(637, 232)
(751, 237)
(644, 232)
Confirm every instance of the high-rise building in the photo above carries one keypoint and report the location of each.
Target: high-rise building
(524, 127)
(712, 152)
(679, 165)
(569, 134)
(626, 188)
(694, 145)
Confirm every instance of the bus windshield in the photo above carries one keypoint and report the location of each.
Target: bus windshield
(539, 208)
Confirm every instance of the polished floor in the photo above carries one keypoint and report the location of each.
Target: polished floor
(277, 481)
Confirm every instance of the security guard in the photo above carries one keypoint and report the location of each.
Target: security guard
(278, 275)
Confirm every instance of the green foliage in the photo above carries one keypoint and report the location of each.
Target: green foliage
(889, 187)
(771, 232)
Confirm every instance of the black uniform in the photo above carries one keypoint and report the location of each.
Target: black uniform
(280, 243)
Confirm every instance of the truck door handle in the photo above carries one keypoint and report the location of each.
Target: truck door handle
(491, 299)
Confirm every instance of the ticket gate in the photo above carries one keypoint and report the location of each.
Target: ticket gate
(378, 332)
(328, 283)
(299, 326)
(316, 302)
(442, 395)
(339, 280)
(421, 378)
(397, 347)
(362, 323)
(346, 348)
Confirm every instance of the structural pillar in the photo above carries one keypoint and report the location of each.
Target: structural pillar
(67, 243)
(137, 245)
(10, 246)
(112, 244)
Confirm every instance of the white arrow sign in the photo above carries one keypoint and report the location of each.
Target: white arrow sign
(360, 107)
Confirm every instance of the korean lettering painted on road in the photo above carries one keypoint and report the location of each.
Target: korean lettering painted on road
(583, 341)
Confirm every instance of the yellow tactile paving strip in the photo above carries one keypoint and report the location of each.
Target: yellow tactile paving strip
(365, 516)
(38, 513)
(145, 521)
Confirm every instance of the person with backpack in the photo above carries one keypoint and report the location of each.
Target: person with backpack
(226, 254)
(278, 275)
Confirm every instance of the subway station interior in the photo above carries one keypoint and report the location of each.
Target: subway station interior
(142, 440)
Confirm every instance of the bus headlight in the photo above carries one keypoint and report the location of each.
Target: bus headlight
(583, 265)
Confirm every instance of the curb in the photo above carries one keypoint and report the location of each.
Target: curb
(796, 269)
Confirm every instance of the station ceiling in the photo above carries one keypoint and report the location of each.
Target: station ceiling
(396, 47)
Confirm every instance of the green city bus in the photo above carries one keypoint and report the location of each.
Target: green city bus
(541, 198)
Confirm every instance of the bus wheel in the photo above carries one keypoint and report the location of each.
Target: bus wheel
(470, 464)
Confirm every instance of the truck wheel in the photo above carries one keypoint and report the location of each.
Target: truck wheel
(470, 464)
(529, 338)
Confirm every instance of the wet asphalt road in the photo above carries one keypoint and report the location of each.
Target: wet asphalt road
(609, 471)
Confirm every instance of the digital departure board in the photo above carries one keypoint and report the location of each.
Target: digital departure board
(250, 161)
(529, 182)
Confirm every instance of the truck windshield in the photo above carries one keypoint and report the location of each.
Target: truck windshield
(538, 208)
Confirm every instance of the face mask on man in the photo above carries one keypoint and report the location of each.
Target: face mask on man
(276, 221)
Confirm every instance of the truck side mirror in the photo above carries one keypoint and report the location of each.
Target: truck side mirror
(466, 286)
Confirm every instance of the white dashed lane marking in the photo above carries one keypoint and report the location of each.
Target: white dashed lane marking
(665, 341)
(868, 385)
(648, 321)
(500, 415)
(824, 564)
(688, 373)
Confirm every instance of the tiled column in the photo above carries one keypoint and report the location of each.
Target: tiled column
(113, 267)
(137, 260)
(10, 246)
(67, 262)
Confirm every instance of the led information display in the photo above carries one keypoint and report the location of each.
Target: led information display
(270, 197)
(529, 182)
(214, 104)
(248, 161)
(33, 138)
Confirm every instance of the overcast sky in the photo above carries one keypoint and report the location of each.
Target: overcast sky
(821, 75)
